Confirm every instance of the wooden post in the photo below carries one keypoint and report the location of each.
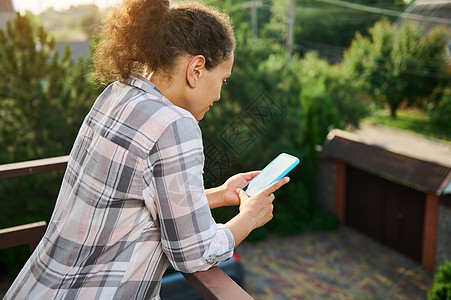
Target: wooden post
(340, 190)
(430, 231)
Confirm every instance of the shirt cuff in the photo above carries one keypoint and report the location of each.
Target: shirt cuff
(221, 249)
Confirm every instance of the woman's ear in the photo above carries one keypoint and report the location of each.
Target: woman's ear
(195, 70)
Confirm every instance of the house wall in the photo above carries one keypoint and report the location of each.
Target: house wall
(78, 49)
(443, 246)
(5, 17)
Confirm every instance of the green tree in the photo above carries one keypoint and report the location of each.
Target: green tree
(397, 65)
(336, 83)
(246, 14)
(323, 26)
(261, 115)
(439, 114)
(44, 97)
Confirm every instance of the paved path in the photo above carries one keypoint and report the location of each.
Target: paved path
(342, 264)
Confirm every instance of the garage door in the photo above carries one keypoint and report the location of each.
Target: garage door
(388, 212)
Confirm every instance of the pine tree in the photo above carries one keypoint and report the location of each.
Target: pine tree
(44, 97)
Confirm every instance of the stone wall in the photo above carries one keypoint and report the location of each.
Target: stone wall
(443, 245)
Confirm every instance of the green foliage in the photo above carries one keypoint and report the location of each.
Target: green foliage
(322, 220)
(276, 27)
(335, 82)
(273, 105)
(324, 27)
(400, 65)
(256, 84)
(263, 112)
(441, 289)
(439, 114)
(256, 117)
(40, 89)
(44, 97)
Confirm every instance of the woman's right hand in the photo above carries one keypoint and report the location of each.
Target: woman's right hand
(259, 208)
(255, 211)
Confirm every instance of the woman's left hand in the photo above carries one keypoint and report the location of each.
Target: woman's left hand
(228, 189)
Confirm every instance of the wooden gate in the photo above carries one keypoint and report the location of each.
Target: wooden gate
(390, 213)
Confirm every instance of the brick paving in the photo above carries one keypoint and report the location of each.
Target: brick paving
(342, 264)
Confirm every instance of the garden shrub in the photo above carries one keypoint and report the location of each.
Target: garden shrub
(440, 112)
(441, 288)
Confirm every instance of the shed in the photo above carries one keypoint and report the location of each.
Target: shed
(394, 187)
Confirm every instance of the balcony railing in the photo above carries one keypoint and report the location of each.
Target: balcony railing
(211, 284)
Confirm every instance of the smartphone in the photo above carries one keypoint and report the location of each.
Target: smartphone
(276, 170)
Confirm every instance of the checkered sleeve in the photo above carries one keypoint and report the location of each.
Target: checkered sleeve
(174, 191)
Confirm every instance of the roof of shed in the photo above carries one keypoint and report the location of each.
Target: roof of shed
(431, 13)
(6, 12)
(6, 6)
(408, 159)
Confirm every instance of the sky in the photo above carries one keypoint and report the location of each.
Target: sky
(37, 6)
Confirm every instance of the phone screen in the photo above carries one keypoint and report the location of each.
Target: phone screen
(276, 170)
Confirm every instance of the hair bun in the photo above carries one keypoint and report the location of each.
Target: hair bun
(146, 35)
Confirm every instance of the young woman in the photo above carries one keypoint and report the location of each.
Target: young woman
(132, 199)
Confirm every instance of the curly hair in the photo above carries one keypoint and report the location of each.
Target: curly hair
(147, 35)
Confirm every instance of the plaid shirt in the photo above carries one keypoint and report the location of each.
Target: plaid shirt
(132, 200)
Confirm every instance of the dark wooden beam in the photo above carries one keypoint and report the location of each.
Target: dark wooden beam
(430, 231)
(33, 167)
(21, 235)
(340, 191)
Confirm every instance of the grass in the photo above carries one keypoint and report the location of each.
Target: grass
(414, 121)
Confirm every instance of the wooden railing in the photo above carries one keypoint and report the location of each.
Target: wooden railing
(211, 284)
(29, 234)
